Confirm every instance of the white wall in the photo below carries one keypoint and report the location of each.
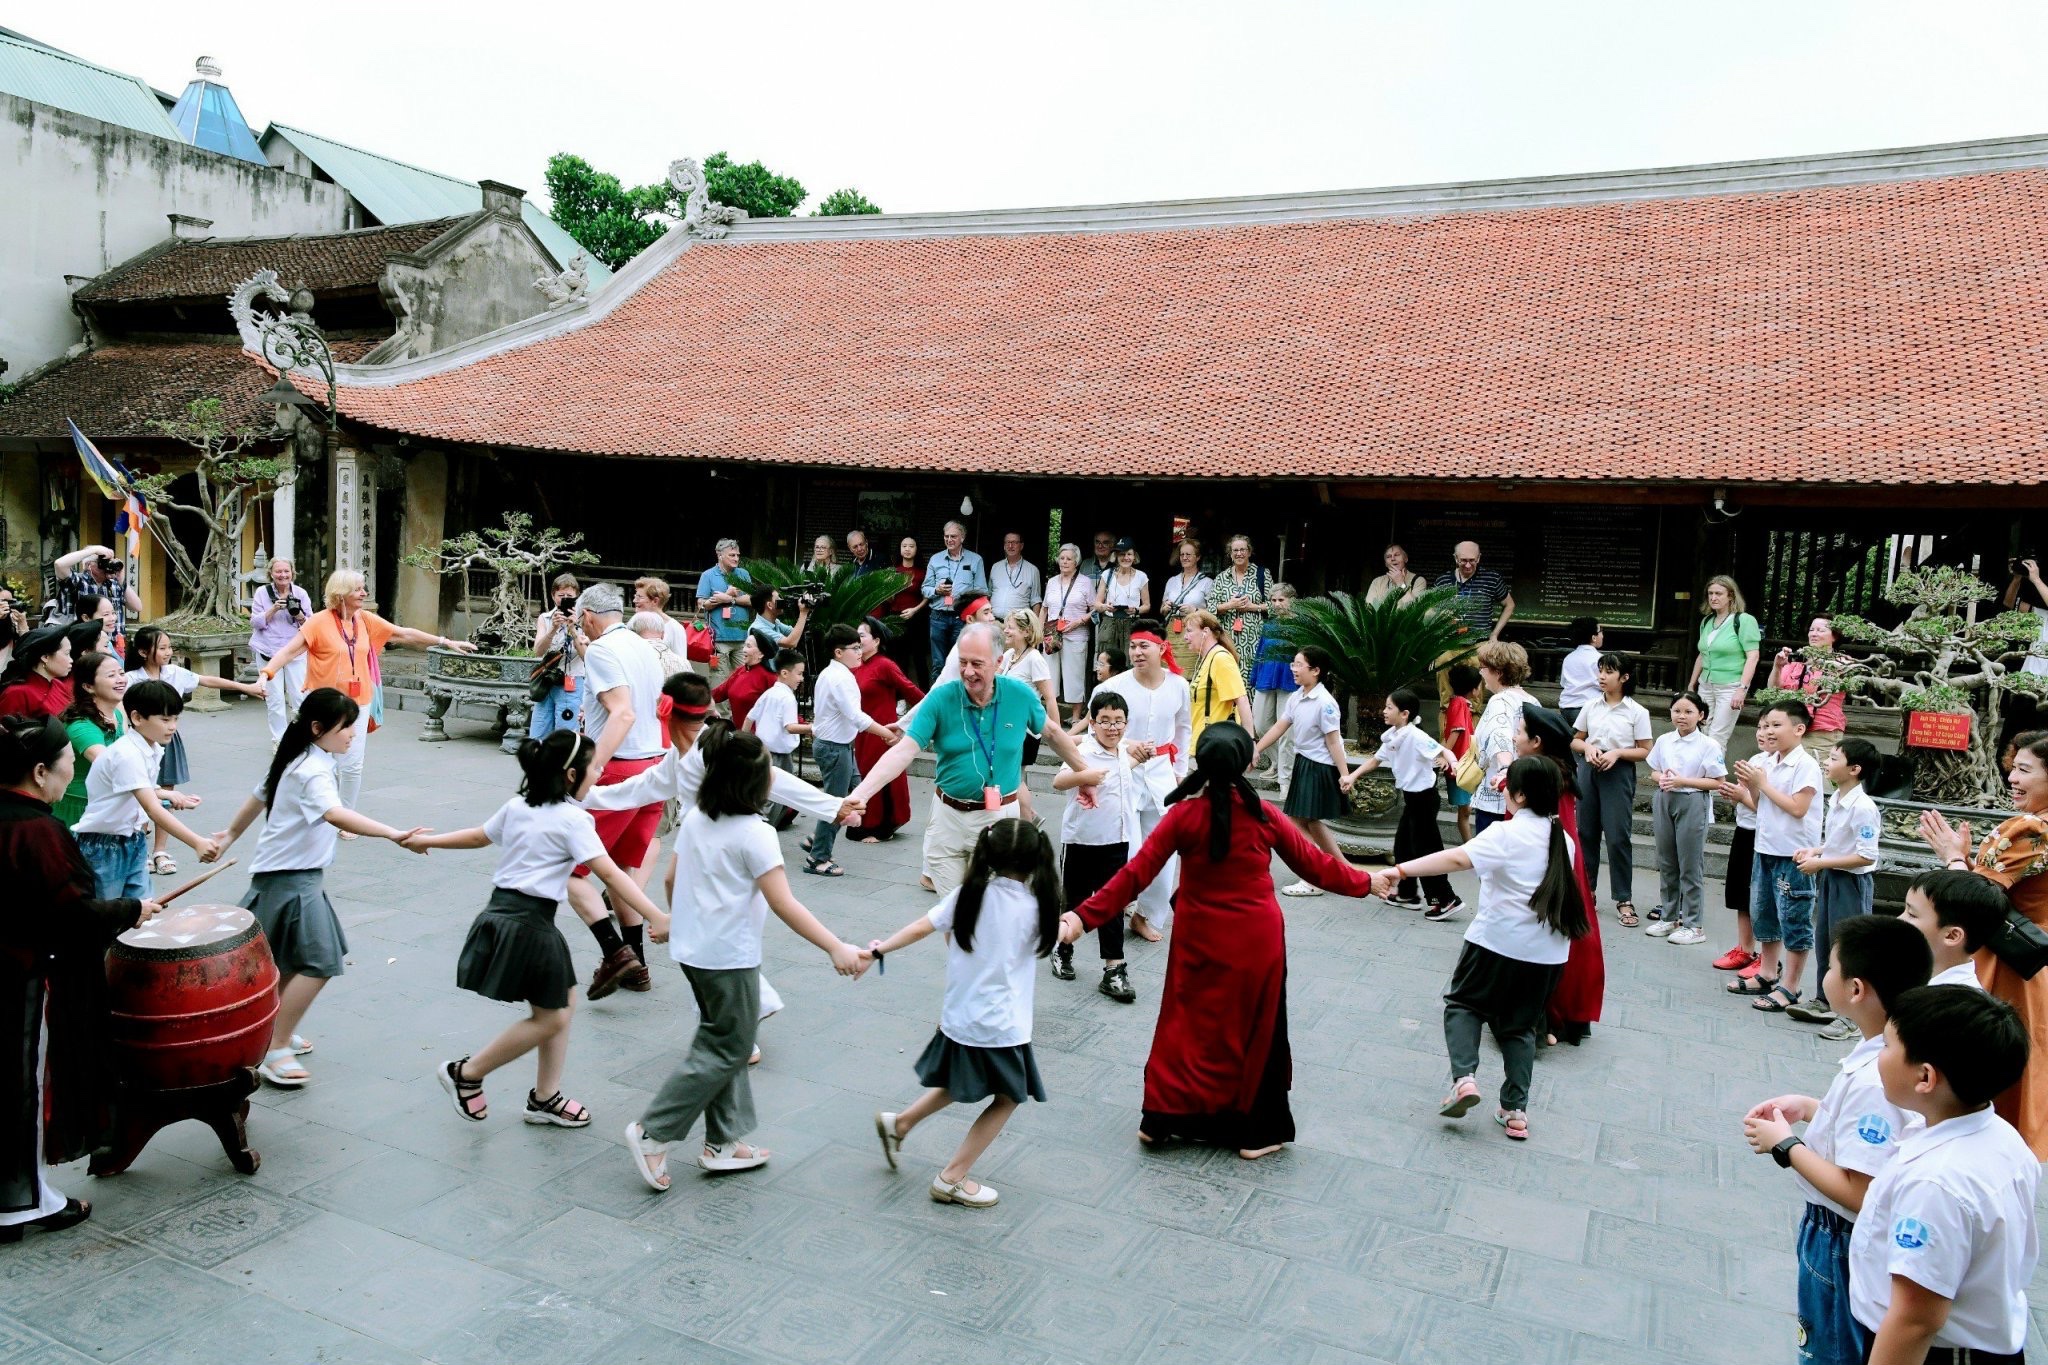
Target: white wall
(78, 197)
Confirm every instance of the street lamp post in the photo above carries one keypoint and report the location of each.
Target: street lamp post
(288, 341)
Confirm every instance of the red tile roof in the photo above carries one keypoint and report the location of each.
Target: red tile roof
(210, 267)
(1881, 333)
(113, 392)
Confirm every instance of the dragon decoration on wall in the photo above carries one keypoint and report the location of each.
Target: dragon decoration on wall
(569, 286)
(701, 217)
(286, 340)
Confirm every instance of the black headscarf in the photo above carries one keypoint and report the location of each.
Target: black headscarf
(31, 650)
(1553, 736)
(1222, 755)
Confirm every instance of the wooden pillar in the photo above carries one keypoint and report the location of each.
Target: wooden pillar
(418, 600)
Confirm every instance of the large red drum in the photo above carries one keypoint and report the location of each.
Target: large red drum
(194, 993)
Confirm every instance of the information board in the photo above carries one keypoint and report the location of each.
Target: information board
(1560, 562)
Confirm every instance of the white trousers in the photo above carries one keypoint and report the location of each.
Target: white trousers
(348, 773)
(281, 697)
(1721, 717)
(949, 841)
(1155, 902)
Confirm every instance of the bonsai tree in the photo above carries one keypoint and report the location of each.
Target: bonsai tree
(227, 473)
(849, 596)
(1937, 659)
(1378, 646)
(511, 551)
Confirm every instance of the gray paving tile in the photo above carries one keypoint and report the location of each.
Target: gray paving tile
(1082, 1319)
(128, 1310)
(1299, 1230)
(1576, 1297)
(1340, 1309)
(223, 1224)
(1438, 1263)
(23, 1345)
(1201, 1272)
(1548, 1226)
(407, 1301)
(1455, 1331)
(806, 1324)
(72, 1259)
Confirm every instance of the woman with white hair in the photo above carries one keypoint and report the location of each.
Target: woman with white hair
(275, 612)
(652, 627)
(1069, 597)
(340, 645)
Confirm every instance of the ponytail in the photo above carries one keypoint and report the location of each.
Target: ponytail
(325, 708)
(1557, 904)
(1015, 849)
(554, 766)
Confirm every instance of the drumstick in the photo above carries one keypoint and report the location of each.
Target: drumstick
(210, 872)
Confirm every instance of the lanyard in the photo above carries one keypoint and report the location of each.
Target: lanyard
(984, 745)
(349, 640)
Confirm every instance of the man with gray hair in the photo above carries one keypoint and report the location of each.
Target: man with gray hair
(728, 607)
(975, 726)
(622, 694)
(955, 577)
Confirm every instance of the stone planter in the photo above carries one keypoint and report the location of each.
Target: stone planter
(500, 682)
(1902, 855)
(209, 655)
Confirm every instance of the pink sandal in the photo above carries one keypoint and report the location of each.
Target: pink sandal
(1514, 1124)
(1464, 1095)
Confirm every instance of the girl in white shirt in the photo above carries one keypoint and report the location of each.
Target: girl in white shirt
(1688, 767)
(1003, 915)
(514, 951)
(1413, 758)
(1529, 912)
(1613, 735)
(1319, 790)
(301, 805)
(149, 659)
(1122, 595)
(729, 875)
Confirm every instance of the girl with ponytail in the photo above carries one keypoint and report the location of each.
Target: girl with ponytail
(514, 952)
(1530, 910)
(303, 811)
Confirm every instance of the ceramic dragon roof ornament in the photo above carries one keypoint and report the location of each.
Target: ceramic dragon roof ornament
(701, 217)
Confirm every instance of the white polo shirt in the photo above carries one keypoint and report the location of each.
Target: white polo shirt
(1778, 832)
(127, 765)
(296, 836)
(1409, 754)
(1852, 829)
(1511, 858)
(1693, 755)
(1159, 715)
(543, 845)
(836, 717)
(1964, 973)
(1312, 713)
(1106, 815)
(1954, 1213)
(1856, 1127)
(619, 658)
(1620, 724)
(771, 718)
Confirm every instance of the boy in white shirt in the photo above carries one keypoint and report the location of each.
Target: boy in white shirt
(836, 721)
(1099, 832)
(1959, 912)
(1782, 785)
(1841, 868)
(123, 801)
(1946, 1245)
(775, 719)
(1850, 1134)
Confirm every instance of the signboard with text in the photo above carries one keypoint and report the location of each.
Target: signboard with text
(1560, 562)
(1937, 730)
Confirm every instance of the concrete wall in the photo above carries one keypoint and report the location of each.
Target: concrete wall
(78, 197)
(481, 283)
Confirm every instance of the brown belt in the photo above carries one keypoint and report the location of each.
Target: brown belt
(957, 804)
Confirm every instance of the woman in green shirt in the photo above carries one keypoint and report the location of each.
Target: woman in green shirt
(93, 722)
(1729, 643)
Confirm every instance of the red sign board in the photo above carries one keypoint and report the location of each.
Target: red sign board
(1937, 730)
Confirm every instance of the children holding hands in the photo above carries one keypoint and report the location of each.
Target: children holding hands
(1414, 759)
(123, 801)
(1099, 833)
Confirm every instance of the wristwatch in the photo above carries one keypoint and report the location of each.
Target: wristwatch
(1782, 1153)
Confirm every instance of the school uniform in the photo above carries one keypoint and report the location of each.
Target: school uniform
(1164, 717)
(1963, 973)
(837, 720)
(1607, 799)
(1098, 838)
(1851, 829)
(287, 885)
(1578, 680)
(114, 831)
(771, 718)
(982, 1046)
(1781, 896)
(1314, 794)
(176, 769)
(1954, 1213)
(1679, 818)
(1409, 755)
(1511, 960)
(514, 951)
(1856, 1128)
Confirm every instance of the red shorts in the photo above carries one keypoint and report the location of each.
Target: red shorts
(625, 833)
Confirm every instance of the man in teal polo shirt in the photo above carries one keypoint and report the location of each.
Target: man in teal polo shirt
(976, 728)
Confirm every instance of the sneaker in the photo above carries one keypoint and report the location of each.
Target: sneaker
(1063, 962)
(1752, 971)
(1734, 960)
(1686, 937)
(1661, 928)
(1446, 910)
(1843, 1030)
(1814, 1011)
(1412, 901)
(1116, 984)
(1300, 889)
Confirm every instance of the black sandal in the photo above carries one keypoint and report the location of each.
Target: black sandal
(468, 1095)
(1625, 911)
(74, 1212)
(1752, 985)
(1776, 1000)
(557, 1109)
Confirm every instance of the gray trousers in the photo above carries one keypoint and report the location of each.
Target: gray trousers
(1607, 810)
(1679, 818)
(837, 775)
(1837, 896)
(712, 1080)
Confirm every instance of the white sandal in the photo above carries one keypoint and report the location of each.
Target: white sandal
(300, 1046)
(723, 1157)
(162, 864)
(649, 1157)
(885, 1128)
(280, 1066)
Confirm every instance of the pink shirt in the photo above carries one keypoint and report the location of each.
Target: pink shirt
(1794, 677)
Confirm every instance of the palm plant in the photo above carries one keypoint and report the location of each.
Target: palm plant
(1377, 646)
(850, 596)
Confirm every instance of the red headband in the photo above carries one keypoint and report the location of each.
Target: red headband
(1147, 636)
(976, 605)
(666, 707)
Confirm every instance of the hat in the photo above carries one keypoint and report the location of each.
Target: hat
(1549, 729)
(1125, 543)
(33, 647)
(602, 599)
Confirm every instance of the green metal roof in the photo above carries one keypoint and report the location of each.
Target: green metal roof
(398, 193)
(46, 76)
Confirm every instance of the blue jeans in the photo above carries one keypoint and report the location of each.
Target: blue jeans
(838, 775)
(1827, 1333)
(945, 630)
(119, 862)
(1781, 902)
(562, 710)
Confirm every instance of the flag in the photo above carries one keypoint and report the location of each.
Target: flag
(132, 518)
(114, 482)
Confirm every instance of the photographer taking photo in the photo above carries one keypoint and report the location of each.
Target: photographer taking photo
(97, 570)
(276, 611)
(13, 623)
(555, 633)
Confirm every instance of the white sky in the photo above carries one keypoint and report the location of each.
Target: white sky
(958, 106)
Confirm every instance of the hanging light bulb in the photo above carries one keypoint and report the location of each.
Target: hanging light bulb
(967, 507)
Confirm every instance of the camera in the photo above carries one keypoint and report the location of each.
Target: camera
(565, 605)
(807, 594)
(292, 607)
(109, 565)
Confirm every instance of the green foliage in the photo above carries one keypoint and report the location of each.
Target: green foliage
(753, 187)
(1937, 696)
(1377, 647)
(1941, 591)
(854, 596)
(608, 219)
(511, 551)
(841, 203)
(225, 473)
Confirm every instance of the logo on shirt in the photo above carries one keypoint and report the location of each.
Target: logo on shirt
(1910, 1233)
(1874, 1129)
(1866, 831)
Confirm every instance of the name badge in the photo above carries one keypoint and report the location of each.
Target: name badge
(991, 799)
(354, 687)
(568, 684)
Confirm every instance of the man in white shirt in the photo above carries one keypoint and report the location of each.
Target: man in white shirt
(1014, 584)
(622, 681)
(1158, 736)
(836, 721)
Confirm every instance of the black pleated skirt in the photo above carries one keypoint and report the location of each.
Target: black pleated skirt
(971, 1074)
(1314, 793)
(514, 952)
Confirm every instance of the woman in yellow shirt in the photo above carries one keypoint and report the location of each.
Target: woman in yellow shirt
(1217, 686)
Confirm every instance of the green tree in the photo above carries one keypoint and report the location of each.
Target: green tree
(840, 203)
(610, 220)
(753, 187)
(229, 467)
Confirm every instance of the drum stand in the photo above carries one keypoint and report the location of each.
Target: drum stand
(223, 1107)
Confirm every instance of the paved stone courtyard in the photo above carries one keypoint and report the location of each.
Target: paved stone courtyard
(1634, 1226)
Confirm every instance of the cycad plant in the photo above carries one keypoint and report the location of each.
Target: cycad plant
(851, 596)
(1378, 646)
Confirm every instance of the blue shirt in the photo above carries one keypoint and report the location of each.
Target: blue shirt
(968, 574)
(728, 622)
